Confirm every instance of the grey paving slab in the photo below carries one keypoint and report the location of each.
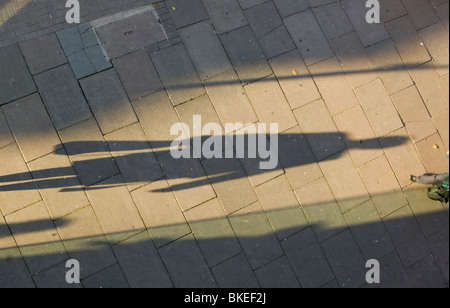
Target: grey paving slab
(84, 240)
(289, 7)
(6, 136)
(277, 274)
(88, 152)
(307, 259)
(333, 20)
(81, 65)
(379, 108)
(43, 53)
(443, 13)
(282, 207)
(111, 277)
(257, 240)
(27, 116)
(132, 253)
(276, 42)
(263, 19)
(436, 41)
(178, 74)
(308, 37)
(160, 212)
(184, 13)
(315, 3)
(321, 209)
(54, 277)
(439, 246)
(17, 190)
(40, 257)
(368, 33)
(236, 273)
(421, 12)
(391, 9)
(205, 50)
(62, 96)
(4, 230)
(245, 54)
(138, 74)
(70, 40)
(245, 4)
(16, 81)
(295, 79)
(186, 265)
(389, 66)
(213, 232)
(97, 58)
(226, 15)
(392, 271)
(113, 109)
(429, 273)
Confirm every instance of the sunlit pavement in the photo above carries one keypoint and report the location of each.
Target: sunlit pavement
(86, 172)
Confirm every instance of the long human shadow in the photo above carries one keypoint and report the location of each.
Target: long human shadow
(141, 161)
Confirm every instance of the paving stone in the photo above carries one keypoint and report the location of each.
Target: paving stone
(132, 254)
(277, 274)
(276, 42)
(346, 260)
(17, 190)
(184, 14)
(81, 65)
(358, 135)
(188, 180)
(4, 230)
(426, 271)
(205, 50)
(160, 212)
(245, 4)
(89, 38)
(54, 277)
(131, 33)
(270, 103)
(138, 75)
(245, 54)
(315, 3)
(230, 182)
(226, 15)
(294, 79)
(84, 240)
(369, 231)
(115, 209)
(402, 156)
(186, 265)
(389, 66)
(213, 232)
(297, 158)
(421, 12)
(407, 41)
(97, 58)
(436, 41)
(334, 86)
(263, 19)
(432, 152)
(430, 220)
(230, 100)
(53, 173)
(70, 40)
(178, 74)
(88, 152)
(406, 236)
(441, 121)
(5, 133)
(354, 60)
(235, 273)
(344, 181)
(431, 88)
(392, 272)
(62, 96)
(443, 13)
(307, 259)
(439, 246)
(308, 37)
(255, 234)
(111, 277)
(112, 110)
(282, 207)
(382, 186)
(379, 108)
(136, 167)
(43, 53)
(156, 116)
(16, 81)
(13, 269)
(289, 7)
(27, 117)
(333, 20)
(319, 129)
(391, 9)
(321, 209)
(368, 33)
(36, 237)
(414, 114)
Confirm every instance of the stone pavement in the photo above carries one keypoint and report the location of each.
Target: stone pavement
(85, 130)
